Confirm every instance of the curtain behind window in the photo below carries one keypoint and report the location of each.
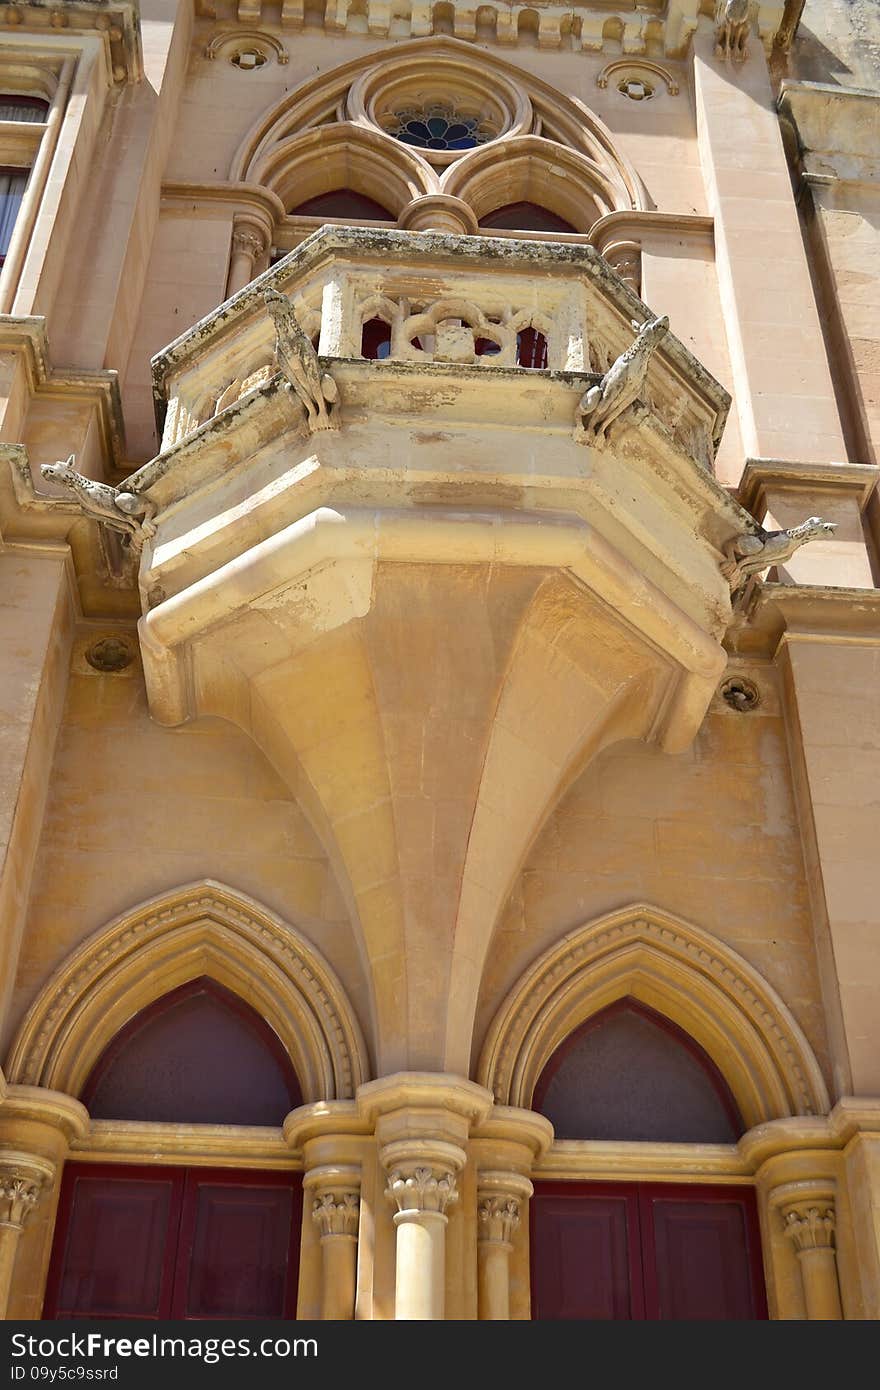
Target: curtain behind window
(12, 186)
(16, 108)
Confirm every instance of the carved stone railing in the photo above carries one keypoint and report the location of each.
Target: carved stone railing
(483, 303)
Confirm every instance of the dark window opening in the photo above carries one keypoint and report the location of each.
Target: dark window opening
(12, 186)
(199, 1055)
(526, 217)
(22, 108)
(628, 1073)
(531, 348)
(486, 347)
(344, 202)
(376, 340)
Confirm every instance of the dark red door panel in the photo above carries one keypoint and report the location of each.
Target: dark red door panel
(115, 1238)
(633, 1251)
(702, 1254)
(585, 1256)
(174, 1243)
(238, 1249)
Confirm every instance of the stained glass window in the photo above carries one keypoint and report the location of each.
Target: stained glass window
(439, 128)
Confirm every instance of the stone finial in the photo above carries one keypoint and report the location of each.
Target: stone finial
(112, 506)
(616, 397)
(499, 1217)
(336, 1213)
(752, 552)
(422, 1188)
(298, 361)
(732, 25)
(810, 1226)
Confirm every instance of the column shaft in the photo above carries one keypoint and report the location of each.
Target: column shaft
(420, 1285)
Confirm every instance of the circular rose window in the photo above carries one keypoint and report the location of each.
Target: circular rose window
(439, 128)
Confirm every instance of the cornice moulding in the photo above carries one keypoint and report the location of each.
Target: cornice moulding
(118, 23)
(760, 474)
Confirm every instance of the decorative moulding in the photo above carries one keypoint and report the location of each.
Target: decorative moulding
(203, 928)
(637, 70)
(242, 41)
(684, 972)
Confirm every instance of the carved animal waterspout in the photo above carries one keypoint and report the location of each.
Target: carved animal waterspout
(750, 553)
(299, 362)
(120, 510)
(732, 25)
(620, 387)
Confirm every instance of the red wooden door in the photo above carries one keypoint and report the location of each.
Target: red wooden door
(640, 1251)
(174, 1243)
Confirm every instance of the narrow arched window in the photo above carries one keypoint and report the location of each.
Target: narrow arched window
(15, 107)
(376, 340)
(345, 203)
(526, 217)
(531, 348)
(198, 1055)
(629, 1073)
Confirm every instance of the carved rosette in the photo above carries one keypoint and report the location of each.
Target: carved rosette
(336, 1213)
(20, 1191)
(422, 1188)
(810, 1225)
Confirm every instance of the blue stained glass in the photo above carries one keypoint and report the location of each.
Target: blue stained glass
(439, 128)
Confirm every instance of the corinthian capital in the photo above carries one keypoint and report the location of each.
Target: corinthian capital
(810, 1225)
(247, 239)
(498, 1217)
(20, 1190)
(422, 1188)
(336, 1213)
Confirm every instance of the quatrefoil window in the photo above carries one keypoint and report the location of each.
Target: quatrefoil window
(439, 128)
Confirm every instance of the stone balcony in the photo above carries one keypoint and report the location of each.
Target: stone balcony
(450, 301)
(388, 603)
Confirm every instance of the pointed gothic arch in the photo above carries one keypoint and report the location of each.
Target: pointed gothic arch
(201, 929)
(530, 169)
(519, 104)
(683, 973)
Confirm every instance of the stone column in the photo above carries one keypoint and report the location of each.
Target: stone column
(809, 1224)
(422, 1190)
(336, 1212)
(23, 1181)
(249, 245)
(500, 1197)
(422, 1122)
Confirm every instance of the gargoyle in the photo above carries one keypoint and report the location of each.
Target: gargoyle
(748, 554)
(121, 511)
(298, 361)
(732, 27)
(619, 389)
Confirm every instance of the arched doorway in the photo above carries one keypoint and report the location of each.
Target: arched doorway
(641, 1250)
(137, 1241)
(190, 1026)
(652, 1046)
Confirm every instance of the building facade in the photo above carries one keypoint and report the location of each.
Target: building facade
(439, 562)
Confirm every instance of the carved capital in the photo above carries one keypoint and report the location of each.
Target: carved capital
(498, 1217)
(422, 1188)
(248, 241)
(20, 1191)
(336, 1213)
(810, 1225)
